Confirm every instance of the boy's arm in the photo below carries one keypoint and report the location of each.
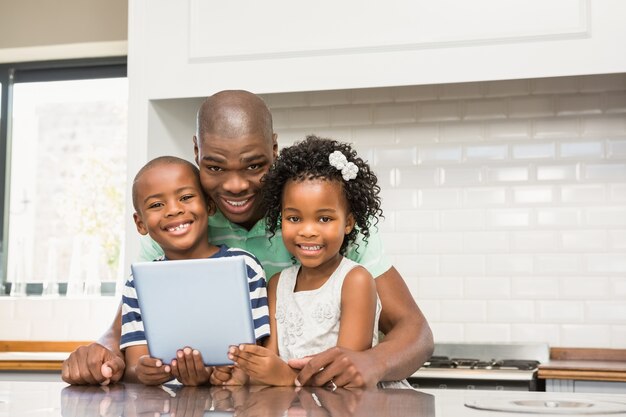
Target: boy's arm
(99, 362)
(408, 343)
(358, 310)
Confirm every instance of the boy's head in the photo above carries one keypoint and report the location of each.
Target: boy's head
(234, 147)
(171, 207)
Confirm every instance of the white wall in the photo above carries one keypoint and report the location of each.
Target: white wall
(505, 201)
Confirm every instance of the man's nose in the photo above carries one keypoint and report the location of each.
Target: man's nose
(235, 184)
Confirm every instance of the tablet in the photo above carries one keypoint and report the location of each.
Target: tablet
(200, 303)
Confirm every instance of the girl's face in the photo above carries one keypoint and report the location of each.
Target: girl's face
(315, 219)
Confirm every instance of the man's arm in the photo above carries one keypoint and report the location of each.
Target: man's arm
(98, 363)
(408, 343)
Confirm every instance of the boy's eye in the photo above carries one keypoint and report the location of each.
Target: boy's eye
(187, 197)
(155, 205)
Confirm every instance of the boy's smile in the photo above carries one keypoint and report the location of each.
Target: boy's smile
(315, 220)
(173, 211)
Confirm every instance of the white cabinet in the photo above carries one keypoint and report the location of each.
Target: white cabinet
(191, 48)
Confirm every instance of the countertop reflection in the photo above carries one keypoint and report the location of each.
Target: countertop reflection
(138, 400)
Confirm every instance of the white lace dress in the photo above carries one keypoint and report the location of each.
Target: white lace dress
(307, 322)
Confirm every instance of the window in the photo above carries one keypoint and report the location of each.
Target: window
(65, 173)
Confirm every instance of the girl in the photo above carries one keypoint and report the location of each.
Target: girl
(321, 194)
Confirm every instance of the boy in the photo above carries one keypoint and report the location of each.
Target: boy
(171, 207)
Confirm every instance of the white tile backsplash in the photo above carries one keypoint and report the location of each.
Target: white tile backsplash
(505, 204)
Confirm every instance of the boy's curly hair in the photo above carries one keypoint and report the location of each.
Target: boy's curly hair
(307, 160)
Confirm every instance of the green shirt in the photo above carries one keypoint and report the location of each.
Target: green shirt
(272, 252)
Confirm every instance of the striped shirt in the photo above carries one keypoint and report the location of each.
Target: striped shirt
(132, 325)
(272, 252)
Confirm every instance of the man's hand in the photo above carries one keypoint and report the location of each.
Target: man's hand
(151, 371)
(346, 368)
(189, 368)
(93, 364)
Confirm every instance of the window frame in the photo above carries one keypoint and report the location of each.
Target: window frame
(22, 72)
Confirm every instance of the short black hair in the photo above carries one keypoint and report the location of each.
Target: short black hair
(164, 160)
(307, 160)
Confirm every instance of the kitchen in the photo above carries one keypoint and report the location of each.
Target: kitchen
(503, 168)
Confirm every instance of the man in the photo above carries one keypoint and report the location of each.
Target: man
(234, 147)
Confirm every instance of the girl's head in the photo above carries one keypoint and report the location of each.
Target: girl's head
(345, 174)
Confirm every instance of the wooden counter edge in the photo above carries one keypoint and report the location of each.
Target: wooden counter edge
(587, 364)
(36, 346)
(11, 365)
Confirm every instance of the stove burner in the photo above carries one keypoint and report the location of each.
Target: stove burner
(466, 363)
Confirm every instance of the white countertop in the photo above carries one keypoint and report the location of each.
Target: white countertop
(57, 398)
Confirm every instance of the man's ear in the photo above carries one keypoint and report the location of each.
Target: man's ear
(141, 227)
(275, 145)
(350, 222)
(211, 206)
(195, 149)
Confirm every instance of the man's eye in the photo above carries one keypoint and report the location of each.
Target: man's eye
(254, 167)
(213, 168)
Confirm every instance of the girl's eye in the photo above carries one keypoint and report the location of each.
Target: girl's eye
(293, 219)
(325, 219)
(186, 197)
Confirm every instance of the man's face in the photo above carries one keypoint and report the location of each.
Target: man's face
(231, 170)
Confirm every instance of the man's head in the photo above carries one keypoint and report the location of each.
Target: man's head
(234, 147)
(171, 207)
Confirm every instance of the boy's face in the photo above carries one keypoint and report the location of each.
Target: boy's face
(173, 211)
(231, 170)
(315, 221)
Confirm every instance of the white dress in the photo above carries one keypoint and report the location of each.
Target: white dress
(307, 322)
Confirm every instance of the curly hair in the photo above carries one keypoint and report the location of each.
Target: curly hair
(307, 160)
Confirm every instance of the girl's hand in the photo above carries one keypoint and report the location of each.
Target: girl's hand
(229, 375)
(262, 365)
(151, 371)
(189, 369)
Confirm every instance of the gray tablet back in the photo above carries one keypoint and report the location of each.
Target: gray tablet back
(200, 303)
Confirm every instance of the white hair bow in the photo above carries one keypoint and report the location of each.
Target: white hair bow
(339, 161)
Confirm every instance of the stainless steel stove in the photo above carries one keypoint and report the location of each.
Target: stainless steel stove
(483, 366)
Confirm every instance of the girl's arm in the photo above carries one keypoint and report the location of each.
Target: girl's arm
(263, 364)
(358, 310)
(140, 367)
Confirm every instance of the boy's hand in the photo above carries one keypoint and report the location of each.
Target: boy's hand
(228, 375)
(263, 365)
(189, 368)
(151, 371)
